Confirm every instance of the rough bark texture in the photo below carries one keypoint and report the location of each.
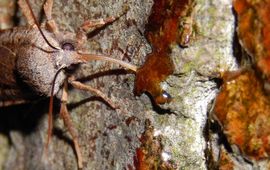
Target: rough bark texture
(108, 137)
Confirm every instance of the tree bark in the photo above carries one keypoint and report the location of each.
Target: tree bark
(110, 137)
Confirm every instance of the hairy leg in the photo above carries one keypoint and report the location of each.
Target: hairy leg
(81, 86)
(50, 24)
(68, 123)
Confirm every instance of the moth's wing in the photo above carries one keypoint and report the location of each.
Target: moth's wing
(7, 66)
(11, 88)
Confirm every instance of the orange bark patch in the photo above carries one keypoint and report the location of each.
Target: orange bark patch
(244, 111)
(225, 161)
(254, 31)
(148, 156)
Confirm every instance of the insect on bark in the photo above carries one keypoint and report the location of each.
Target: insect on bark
(35, 60)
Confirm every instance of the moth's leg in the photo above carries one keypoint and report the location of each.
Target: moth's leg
(26, 12)
(81, 86)
(50, 24)
(47, 7)
(94, 24)
(89, 26)
(68, 123)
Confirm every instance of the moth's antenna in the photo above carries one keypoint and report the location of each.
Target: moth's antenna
(41, 32)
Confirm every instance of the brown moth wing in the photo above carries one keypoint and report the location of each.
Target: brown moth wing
(10, 86)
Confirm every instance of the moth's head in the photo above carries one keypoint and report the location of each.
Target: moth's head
(66, 52)
(68, 41)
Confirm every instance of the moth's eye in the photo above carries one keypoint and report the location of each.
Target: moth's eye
(68, 46)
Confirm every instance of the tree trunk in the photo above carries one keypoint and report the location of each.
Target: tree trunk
(111, 138)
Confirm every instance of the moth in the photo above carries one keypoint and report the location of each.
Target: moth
(36, 61)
